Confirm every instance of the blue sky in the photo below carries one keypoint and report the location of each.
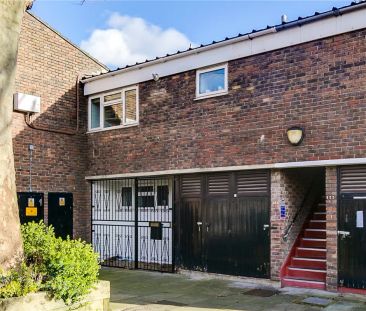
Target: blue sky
(123, 32)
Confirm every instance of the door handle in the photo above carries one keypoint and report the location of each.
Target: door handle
(344, 234)
(199, 224)
(359, 198)
(265, 227)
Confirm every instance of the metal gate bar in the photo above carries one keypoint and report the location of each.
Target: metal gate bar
(132, 223)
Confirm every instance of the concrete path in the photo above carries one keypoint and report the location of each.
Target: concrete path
(142, 290)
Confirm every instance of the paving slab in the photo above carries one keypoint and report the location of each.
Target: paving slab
(318, 301)
(136, 290)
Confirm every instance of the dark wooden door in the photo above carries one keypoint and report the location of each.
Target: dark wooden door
(191, 225)
(233, 235)
(352, 241)
(217, 239)
(60, 213)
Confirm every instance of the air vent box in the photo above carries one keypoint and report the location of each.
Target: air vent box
(27, 103)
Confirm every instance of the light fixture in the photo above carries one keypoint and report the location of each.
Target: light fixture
(295, 135)
(155, 77)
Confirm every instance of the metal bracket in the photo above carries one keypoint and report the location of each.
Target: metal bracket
(344, 234)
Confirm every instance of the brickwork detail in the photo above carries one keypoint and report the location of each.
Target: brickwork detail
(47, 66)
(332, 238)
(318, 85)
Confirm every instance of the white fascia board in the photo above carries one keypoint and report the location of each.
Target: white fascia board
(245, 46)
(285, 165)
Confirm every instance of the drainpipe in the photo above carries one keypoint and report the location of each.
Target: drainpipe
(27, 117)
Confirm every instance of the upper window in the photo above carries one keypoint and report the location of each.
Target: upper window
(211, 81)
(116, 109)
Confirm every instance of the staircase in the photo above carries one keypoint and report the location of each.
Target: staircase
(306, 266)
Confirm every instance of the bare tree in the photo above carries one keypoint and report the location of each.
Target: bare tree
(11, 14)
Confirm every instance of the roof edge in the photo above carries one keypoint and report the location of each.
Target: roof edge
(334, 12)
(68, 41)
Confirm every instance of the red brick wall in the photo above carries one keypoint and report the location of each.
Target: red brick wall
(318, 85)
(47, 67)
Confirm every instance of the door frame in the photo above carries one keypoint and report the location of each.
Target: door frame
(204, 197)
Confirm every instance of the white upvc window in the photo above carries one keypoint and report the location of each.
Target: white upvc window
(115, 109)
(212, 81)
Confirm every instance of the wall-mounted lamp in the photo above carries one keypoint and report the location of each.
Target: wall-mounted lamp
(295, 135)
(155, 77)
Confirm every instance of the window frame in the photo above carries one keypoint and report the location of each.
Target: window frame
(112, 102)
(213, 93)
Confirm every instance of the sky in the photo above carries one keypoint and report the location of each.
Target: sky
(125, 32)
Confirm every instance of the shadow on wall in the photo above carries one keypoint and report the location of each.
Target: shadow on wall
(59, 161)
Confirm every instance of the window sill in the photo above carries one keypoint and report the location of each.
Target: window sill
(112, 128)
(211, 95)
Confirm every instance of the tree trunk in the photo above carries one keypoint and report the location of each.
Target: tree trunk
(11, 13)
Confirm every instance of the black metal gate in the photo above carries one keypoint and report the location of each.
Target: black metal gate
(132, 223)
(224, 223)
(352, 228)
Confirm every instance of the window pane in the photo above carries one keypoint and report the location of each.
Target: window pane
(95, 113)
(146, 201)
(126, 196)
(113, 115)
(212, 81)
(110, 97)
(146, 189)
(130, 101)
(162, 195)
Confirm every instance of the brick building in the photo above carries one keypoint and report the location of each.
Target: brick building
(245, 156)
(48, 66)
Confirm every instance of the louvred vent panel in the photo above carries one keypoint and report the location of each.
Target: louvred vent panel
(353, 179)
(191, 185)
(219, 184)
(252, 182)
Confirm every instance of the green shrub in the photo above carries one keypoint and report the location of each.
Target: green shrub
(67, 269)
(72, 270)
(19, 282)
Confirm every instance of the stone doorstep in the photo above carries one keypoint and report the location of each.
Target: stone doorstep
(97, 299)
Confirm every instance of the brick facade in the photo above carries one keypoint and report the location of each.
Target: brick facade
(317, 85)
(48, 67)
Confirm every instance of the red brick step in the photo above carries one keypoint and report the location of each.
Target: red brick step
(315, 233)
(314, 263)
(293, 282)
(304, 273)
(313, 243)
(307, 267)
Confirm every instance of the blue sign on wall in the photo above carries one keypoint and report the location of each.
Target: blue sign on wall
(283, 210)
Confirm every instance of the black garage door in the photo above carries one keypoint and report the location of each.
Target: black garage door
(351, 227)
(224, 222)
